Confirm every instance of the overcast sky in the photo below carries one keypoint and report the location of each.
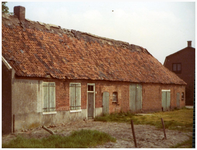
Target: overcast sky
(161, 27)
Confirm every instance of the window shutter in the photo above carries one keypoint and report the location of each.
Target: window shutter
(139, 97)
(45, 96)
(51, 105)
(132, 96)
(78, 96)
(168, 99)
(72, 96)
(75, 96)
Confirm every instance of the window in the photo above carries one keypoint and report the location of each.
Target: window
(75, 96)
(115, 97)
(49, 96)
(90, 88)
(176, 67)
(182, 96)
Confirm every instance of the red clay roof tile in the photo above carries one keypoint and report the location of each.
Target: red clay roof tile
(37, 50)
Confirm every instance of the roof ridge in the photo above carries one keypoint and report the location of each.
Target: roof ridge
(88, 37)
(36, 49)
(180, 51)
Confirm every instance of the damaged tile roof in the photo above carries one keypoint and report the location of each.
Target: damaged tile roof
(37, 49)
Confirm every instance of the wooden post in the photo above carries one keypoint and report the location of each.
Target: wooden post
(13, 123)
(163, 128)
(132, 127)
(51, 132)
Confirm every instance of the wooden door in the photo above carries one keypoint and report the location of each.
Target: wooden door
(135, 97)
(90, 105)
(164, 104)
(178, 100)
(132, 97)
(91, 100)
(138, 97)
(105, 102)
(166, 100)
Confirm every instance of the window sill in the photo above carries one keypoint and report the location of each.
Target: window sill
(72, 111)
(115, 103)
(49, 113)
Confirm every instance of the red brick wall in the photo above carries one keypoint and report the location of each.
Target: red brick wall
(187, 59)
(123, 95)
(152, 96)
(62, 94)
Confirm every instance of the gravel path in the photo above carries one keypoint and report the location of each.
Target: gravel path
(146, 136)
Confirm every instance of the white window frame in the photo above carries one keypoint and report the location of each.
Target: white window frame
(74, 110)
(43, 101)
(165, 90)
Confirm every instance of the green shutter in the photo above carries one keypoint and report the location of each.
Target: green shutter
(45, 96)
(105, 102)
(78, 96)
(139, 97)
(49, 103)
(51, 99)
(178, 100)
(168, 100)
(164, 100)
(132, 97)
(72, 96)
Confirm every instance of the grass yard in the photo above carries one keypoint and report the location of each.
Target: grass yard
(181, 120)
(78, 139)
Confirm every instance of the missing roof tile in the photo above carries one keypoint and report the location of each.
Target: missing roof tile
(22, 51)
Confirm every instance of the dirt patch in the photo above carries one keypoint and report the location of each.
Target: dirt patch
(146, 136)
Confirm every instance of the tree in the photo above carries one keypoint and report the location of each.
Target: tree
(5, 9)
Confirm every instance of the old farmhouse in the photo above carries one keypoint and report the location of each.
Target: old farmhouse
(53, 75)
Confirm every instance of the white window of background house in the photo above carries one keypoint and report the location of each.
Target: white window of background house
(49, 103)
(75, 96)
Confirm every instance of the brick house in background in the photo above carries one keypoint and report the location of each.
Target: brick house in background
(52, 75)
(183, 64)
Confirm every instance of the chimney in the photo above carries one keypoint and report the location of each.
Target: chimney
(19, 11)
(189, 43)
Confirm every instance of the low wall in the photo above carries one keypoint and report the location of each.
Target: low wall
(33, 120)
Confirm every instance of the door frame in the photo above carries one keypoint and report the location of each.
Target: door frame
(93, 99)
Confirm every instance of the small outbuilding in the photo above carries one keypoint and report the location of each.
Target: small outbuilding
(52, 75)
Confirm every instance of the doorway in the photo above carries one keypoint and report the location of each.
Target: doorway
(91, 99)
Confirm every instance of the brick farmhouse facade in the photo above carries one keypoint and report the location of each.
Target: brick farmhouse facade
(53, 75)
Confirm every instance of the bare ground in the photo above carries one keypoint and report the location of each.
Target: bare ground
(146, 136)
